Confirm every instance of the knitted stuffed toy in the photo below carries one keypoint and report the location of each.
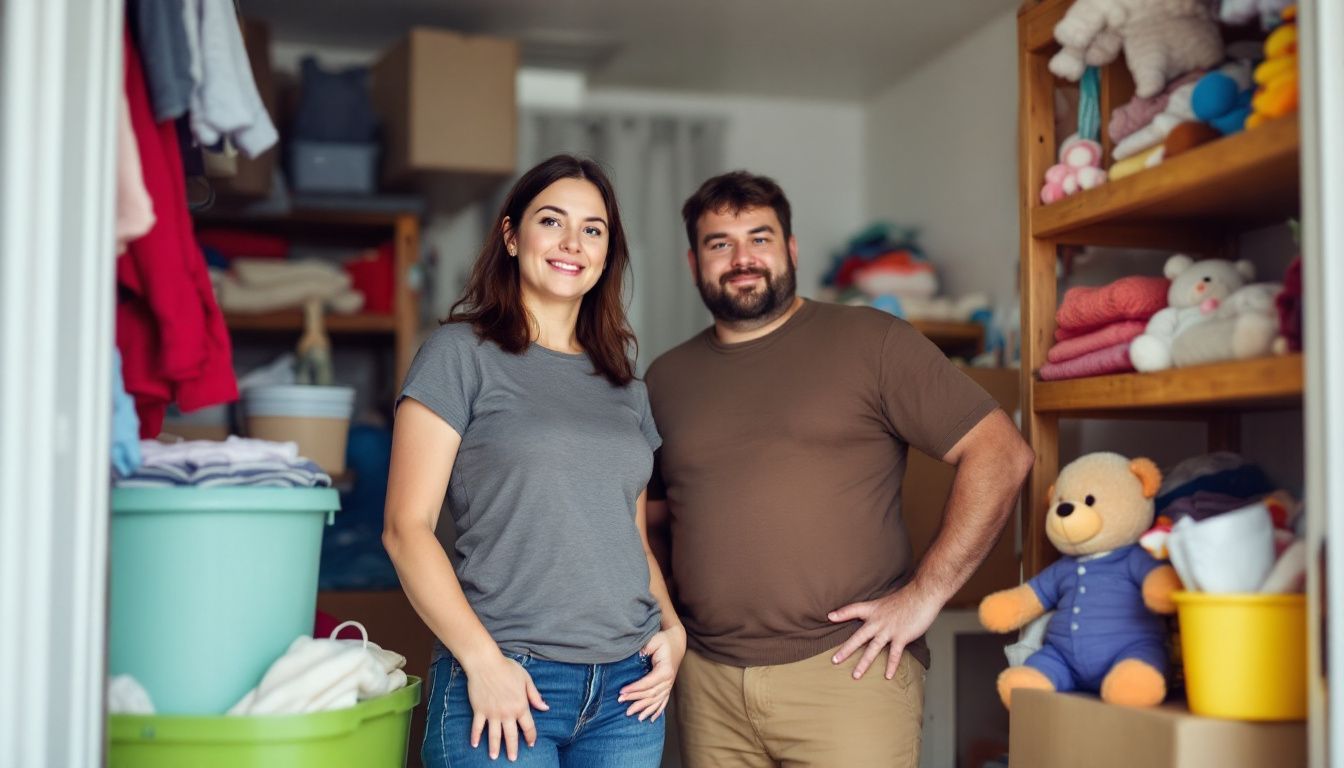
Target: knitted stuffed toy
(1079, 168)
(1162, 39)
(1107, 592)
(1197, 289)
(1276, 77)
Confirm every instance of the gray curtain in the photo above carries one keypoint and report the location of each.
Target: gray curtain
(655, 162)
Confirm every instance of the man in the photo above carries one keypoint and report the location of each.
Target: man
(785, 427)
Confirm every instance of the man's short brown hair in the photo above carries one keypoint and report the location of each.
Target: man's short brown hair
(736, 191)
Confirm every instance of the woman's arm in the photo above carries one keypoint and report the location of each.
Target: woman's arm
(649, 695)
(424, 448)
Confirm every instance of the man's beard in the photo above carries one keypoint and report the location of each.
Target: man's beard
(760, 305)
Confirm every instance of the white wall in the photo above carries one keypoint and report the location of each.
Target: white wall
(814, 149)
(942, 155)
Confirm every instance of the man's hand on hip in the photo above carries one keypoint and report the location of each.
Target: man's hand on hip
(896, 620)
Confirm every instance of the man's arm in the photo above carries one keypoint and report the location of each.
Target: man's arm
(992, 460)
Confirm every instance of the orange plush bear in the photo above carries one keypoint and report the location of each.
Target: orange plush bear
(1107, 592)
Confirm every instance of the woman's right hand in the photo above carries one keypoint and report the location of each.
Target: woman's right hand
(502, 697)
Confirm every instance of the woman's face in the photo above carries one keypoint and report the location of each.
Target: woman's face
(560, 241)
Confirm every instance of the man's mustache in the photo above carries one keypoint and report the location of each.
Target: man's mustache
(743, 273)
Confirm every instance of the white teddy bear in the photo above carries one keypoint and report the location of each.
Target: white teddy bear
(1162, 39)
(1197, 289)
(1243, 326)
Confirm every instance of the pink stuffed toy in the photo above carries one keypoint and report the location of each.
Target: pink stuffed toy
(1079, 167)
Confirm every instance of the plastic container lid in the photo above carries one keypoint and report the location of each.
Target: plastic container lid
(189, 499)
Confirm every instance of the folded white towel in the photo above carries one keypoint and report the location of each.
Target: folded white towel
(318, 675)
(232, 450)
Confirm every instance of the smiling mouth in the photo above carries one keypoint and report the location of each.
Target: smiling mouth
(743, 278)
(564, 267)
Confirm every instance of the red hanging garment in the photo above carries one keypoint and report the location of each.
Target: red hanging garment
(173, 340)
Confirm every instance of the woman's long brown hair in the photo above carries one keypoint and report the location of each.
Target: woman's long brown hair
(493, 301)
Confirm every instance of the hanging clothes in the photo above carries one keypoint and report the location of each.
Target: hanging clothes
(161, 37)
(171, 333)
(224, 99)
(135, 212)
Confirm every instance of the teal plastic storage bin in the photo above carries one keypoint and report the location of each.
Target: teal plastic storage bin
(371, 734)
(209, 586)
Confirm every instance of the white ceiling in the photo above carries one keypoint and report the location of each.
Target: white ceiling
(842, 49)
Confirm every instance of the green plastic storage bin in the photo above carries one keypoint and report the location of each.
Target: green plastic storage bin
(209, 586)
(371, 734)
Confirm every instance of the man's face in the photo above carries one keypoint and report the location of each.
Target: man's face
(743, 266)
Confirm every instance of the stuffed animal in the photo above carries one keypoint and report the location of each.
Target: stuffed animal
(1223, 98)
(1162, 39)
(1079, 167)
(1243, 326)
(1243, 11)
(1106, 635)
(1197, 288)
(1276, 77)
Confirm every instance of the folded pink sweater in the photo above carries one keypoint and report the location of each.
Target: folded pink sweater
(1089, 308)
(1107, 336)
(1112, 359)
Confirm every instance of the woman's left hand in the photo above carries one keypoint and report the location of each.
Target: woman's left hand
(649, 694)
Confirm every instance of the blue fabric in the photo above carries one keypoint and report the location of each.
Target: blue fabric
(1089, 105)
(1099, 619)
(335, 106)
(270, 474)
(585, 727)
(125, 424)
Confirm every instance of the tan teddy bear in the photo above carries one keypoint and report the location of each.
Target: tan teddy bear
(1107, 592)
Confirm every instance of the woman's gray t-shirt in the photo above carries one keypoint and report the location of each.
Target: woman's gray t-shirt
(543, 493)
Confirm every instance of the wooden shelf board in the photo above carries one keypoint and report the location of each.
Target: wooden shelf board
(950, 334)
(1265, 382)
(292, 320)
(1235, 183)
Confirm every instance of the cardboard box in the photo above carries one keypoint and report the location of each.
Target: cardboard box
(1061, 730)
(447, 103)
(924, 491)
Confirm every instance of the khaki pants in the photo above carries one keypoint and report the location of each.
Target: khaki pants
(808, 713)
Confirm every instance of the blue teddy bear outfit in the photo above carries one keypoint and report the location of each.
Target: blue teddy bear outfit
(1100, 618)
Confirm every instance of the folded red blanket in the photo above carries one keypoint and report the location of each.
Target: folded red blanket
(1109, 336)
(1112, 359)
(241, 244)
(1088, 308)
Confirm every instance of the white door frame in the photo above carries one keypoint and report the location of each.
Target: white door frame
(1321, 29)
(60, 81)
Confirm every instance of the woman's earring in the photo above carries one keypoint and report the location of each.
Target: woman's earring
(513, 251)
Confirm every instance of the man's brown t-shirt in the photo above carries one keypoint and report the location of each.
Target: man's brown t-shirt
(781, 463)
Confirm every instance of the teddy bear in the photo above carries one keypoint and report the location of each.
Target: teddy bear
(1162, 39)
(1108, 594)
(1079, 167)
(1245, 325)
(1197, 288)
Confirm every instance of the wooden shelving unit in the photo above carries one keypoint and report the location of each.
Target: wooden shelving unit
(1197, 201)
(954, 338)
(345, 228)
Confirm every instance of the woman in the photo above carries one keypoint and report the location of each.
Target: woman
(555, 623)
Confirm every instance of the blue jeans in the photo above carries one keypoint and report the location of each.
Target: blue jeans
(586, 727)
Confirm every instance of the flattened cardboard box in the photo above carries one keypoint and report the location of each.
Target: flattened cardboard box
(924, 491)
(1064, 730)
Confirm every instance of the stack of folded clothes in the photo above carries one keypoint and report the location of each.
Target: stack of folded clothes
(267, 285)
(236, 461)
(1096, 324)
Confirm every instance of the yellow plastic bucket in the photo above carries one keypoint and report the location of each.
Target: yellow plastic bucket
(1245, 656)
